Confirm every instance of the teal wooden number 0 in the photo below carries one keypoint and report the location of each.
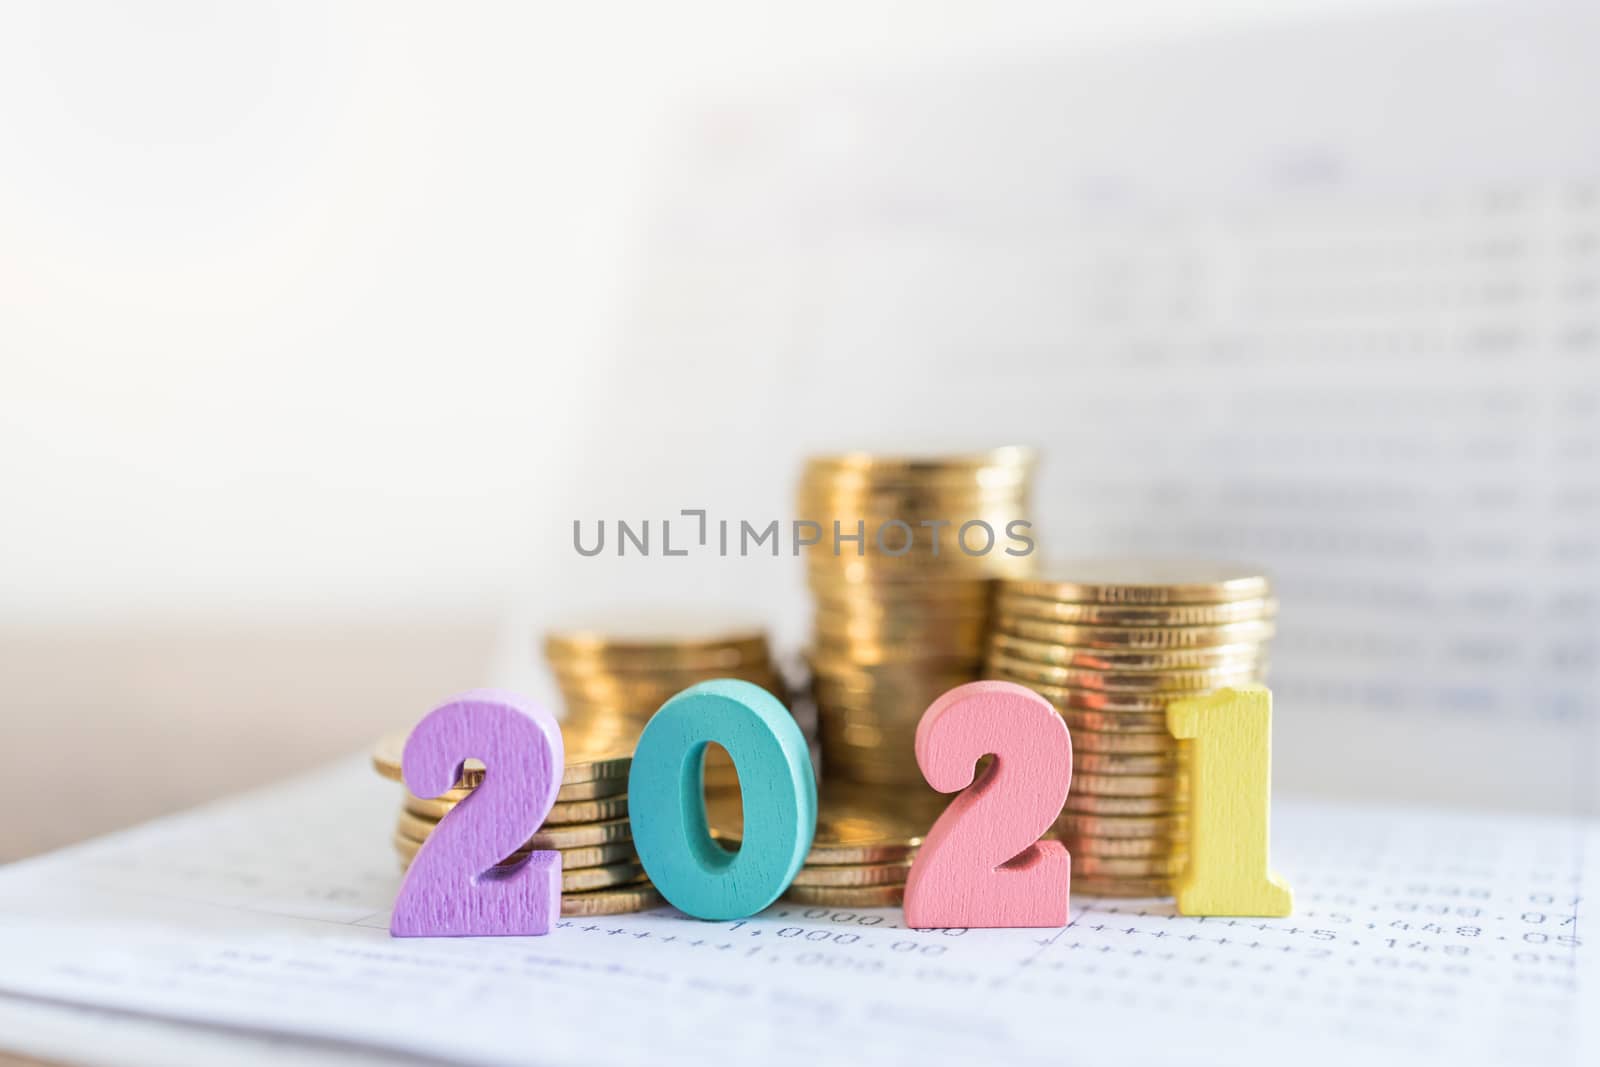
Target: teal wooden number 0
(666, 800)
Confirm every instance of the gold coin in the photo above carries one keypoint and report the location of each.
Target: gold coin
(610, 901)
(585, 679)
(1135, 638)
(997, 466)
(1223, 657)
(957, 649)
(862, 745)
(583, 764)
(1140, 888)
(1122, 826)
(604, 723)
(575, 879)
(647, 695)
(940, 632)
(882, 710)
(571, 858)
(1163, 866)
(856, 825)
(1122, 704)
(600, 787)
(1124, 847)
(859, 896)
(598, 810)
(562, 814)
(853, 875)
(1011, 604)
(1131, 785)
(857, 756)
(908, 499)
(1115, 722)
(847, 766)
(548, 837)
(596, 855)
(672, 647)
(961, 537)
(886, 737)
(946, 566)
(903, 708)
(1089, 804)
(1121, 682)
(916, 696)
(1146, 581)
(927, 517)
(1085, 741)
(962, 596)
(593, 790)
(1114, 763)
(918, 681)
(586, 878)
(876, 775)
(908, 521)
(898, 621)
(874, 708)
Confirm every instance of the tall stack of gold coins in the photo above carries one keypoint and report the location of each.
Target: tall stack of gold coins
(613, 680)
(866, 838)
(1111, 644)
(901, 575)
(600, 871)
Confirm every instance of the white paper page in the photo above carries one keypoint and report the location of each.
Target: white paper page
(1418, 937)
(91, 1037)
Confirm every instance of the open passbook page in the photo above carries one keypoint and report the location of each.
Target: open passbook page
(1419, 936)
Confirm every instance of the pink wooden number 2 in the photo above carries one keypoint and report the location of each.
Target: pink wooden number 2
(456, 886)
(983, 864)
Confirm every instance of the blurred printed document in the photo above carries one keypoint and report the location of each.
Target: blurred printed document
(1418, 937)
(1320, 294)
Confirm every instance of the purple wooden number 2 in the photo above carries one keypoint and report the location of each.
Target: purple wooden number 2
(455, 887)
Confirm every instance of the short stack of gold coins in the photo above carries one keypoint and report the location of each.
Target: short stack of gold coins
(902, 613)
(600, 871)
(613, 680)
(865, 841)
(1111, 644)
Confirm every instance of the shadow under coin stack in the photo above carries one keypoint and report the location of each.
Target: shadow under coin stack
(1111, 644)
(612, 682)
(902, 614)
(600, 872)
(866, 839)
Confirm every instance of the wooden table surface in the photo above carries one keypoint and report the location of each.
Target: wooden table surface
(161, 717)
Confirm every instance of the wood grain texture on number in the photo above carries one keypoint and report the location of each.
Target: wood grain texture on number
(1230, 797)
(454, 887)
(667, 799)
(983, 863)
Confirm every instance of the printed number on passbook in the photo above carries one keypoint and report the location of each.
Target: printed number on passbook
(983, 863)
(457, 886)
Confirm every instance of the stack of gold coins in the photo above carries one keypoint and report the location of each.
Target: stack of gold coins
(866, 838)
(613, 680)
(600, 872)
(1111, 644)
(906, 553)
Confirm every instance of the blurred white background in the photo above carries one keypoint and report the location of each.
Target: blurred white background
(321, 322)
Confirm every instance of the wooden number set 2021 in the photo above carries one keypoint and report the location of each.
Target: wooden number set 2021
(984, 862)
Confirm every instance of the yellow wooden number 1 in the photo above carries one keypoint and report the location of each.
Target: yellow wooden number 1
(1230, 786)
